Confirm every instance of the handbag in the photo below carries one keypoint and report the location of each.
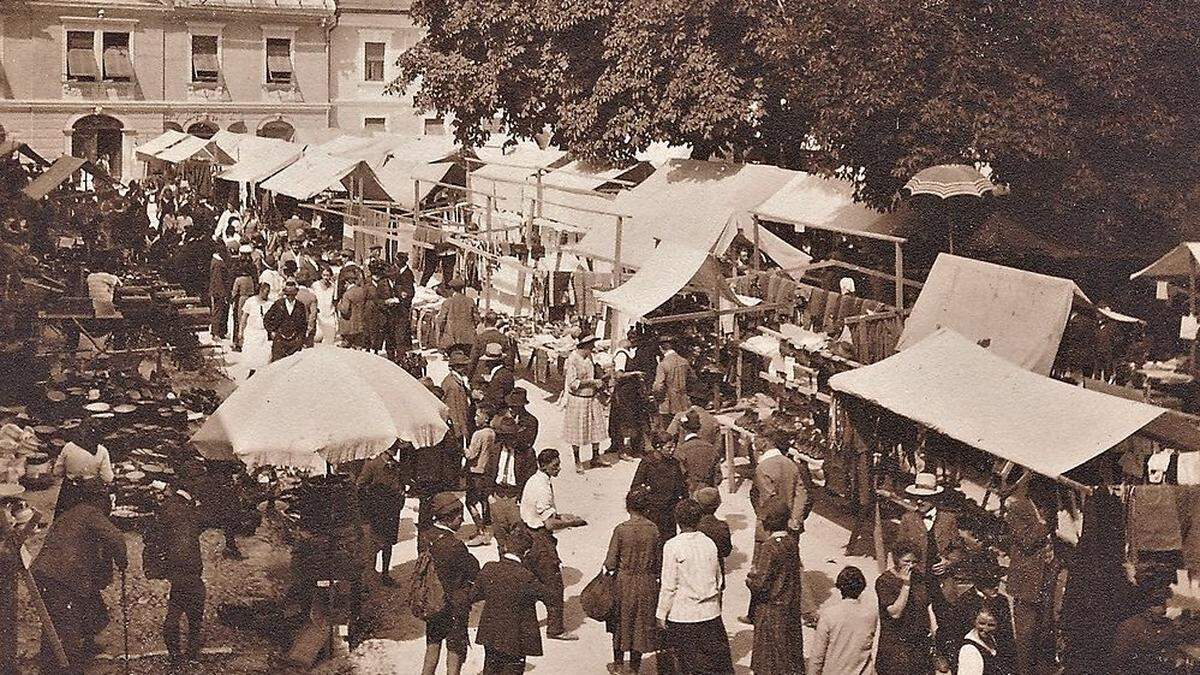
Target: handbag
(599, 597)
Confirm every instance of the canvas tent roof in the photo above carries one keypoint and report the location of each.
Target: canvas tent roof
(258, 158)
(8, 147)
(1178, 262)
(193, 148)
(159, 143)
(949, 384)
(58, 173)
(1021, 313)
(667, 270)
(505, 176)
(396, 176)
(687, 201)
(826, 204)
(579, 175)
(316, 172)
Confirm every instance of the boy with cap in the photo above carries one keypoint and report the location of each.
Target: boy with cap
(508, 624)
(174, 542)
(456, 570)
(495, 378)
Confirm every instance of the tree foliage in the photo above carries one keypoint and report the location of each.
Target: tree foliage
(1086, 109)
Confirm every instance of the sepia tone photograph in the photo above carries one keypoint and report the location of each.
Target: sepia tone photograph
(583, 337)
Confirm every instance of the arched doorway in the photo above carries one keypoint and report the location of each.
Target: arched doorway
(98, 138)
(277, 129)
(204, 130)
(238, 128)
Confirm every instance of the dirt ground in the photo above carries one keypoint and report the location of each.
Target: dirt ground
(396, 645)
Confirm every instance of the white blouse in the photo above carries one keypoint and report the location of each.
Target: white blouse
(75, 462)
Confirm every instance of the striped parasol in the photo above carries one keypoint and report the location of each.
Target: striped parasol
(949, 180)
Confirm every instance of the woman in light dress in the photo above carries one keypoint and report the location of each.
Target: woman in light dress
(256, 347)
(327, 320)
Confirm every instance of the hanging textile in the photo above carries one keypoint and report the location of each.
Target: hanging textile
(1154, 519)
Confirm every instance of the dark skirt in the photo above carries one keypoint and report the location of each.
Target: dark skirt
(634, 627)
(778, 640)
(629, 409)
(381, 509)
(700, 648)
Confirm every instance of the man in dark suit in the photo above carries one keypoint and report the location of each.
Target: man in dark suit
(701, 460)
(287, 323)
(220, 285)
(490, 334)
(350, 273)
(1030, 579)
(456, 394)
(508, 624)
(66, 573)
(456, 571)
(496, 379)
(399, 317)
(378, 290)
(933, 534)
(175, 537)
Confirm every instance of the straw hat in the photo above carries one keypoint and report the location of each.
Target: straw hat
(925, 485)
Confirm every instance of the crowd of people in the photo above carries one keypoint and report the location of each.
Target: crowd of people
(277, 286)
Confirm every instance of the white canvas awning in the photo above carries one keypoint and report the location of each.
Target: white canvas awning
(825, 204)
(166, 139)
(949, 384)
(259, 158)
(1181, 261)
(1021, 314)
(687, 202)
(667, 271)
(316, 172)
(194, 148)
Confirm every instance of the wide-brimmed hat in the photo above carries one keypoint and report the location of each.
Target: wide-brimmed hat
(459, 359)
(517, 398)
(446, 504)
(925, 485)
(586, 341)
(493, 350)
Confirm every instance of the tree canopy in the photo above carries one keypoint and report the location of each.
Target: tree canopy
(1086, 109)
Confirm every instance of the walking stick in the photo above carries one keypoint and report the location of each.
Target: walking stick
(125, 621)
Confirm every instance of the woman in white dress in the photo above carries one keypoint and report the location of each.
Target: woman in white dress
(327, 322)
(585, 420)
(256, 348)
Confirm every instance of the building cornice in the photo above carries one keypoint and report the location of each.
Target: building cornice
(161, 106)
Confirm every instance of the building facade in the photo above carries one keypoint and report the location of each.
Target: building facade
(96, 78)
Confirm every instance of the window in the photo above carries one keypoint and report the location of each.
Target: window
(81, 56)
(205, 67)
(373, 61)
(434, 126)
(375, 123)
(279, 61)
(117, 66)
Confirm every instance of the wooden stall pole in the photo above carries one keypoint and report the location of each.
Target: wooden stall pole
(754, 262)
(1192, 306)
(617, 252)
(899, 278)
(487, 228)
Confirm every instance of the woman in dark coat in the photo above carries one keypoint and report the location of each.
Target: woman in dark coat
(904, 628)
(635, 557)
(774, 584)
(629, 408)
(381, 486)
(662, 475)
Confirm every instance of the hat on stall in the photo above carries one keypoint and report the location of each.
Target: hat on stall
(445, 504)
(493, 350)
(925, 485)
(709, 498)
(517, 398)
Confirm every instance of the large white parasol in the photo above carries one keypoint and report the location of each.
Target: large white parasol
(322, 405)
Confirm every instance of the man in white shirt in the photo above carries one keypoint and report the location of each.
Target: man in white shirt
(689, 599)
(540, 515)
